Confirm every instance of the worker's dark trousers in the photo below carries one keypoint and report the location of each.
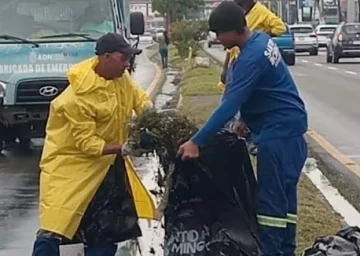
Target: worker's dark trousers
(278, 170)
(49, 246)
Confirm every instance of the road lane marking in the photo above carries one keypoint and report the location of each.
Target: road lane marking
(334, 152)
(318, 64)
(350, 72)
(332, 68)
(305, 61)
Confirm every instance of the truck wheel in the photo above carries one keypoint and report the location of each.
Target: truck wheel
(2, 145)
(209, 45)
(335, 58)
(314, 52)
(24, 143)
(291, 60)
(328, 56)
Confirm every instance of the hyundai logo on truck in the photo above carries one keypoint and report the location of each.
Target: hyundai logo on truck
(48, 91)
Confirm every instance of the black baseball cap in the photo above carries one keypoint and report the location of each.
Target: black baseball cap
(227, 16)
(114, 42)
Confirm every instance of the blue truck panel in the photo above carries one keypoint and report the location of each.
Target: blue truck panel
(286, 46)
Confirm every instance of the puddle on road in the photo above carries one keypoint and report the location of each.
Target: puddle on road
(350, 215)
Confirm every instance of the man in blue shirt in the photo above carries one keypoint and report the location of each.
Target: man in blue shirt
(259, 84)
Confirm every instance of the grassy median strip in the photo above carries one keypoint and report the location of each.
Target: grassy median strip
(200, 97)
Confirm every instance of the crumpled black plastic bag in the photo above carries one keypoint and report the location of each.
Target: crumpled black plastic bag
(211, 207)
(111, 216)
(351, 234)
(332, 246)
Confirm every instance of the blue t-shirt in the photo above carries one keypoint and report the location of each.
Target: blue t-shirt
(260, 85)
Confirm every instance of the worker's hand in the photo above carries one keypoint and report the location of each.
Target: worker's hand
(188, 150)
(238, 127)
(223, 76)
(148, 105)
(128, 150)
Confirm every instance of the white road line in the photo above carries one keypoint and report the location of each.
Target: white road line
(318, 64)
(350, 72)
(332, 68)
(305, 61)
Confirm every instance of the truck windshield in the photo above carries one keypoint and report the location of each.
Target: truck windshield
(49, 20)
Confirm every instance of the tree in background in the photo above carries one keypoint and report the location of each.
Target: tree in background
(174, 10)
(188, 33)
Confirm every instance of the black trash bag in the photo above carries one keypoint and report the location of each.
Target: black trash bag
(351, 234)
(111, 216)
(211, 205)
(332, 246)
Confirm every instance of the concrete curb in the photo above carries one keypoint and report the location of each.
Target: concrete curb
(342, 172)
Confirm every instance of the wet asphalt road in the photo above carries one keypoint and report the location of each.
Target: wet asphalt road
(332, 95)
(19, 188)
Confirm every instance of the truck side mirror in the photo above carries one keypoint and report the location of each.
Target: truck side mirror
(137, 23)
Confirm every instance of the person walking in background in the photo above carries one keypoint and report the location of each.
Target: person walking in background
(260, 85)
(164, 48)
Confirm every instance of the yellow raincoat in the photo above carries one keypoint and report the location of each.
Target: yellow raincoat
(262, 19)
(90, 113)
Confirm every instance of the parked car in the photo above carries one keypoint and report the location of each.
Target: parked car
(286, 45)
(305, 38)
(324, 33)
(146, 38)
(345, 42)
(212, 39)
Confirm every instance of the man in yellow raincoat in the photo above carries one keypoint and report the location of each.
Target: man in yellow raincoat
(86, 193)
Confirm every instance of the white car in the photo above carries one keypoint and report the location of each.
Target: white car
(305, 38)
(146, 38)
(324, 33)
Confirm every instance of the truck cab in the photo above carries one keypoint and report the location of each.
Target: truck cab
(39, 41)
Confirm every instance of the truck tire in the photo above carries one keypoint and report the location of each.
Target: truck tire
(291, 60)
(24, 143)
(328, 56)
(335, 58)
(2, 145)
(209, 45)
(2, 138)
(314, 52)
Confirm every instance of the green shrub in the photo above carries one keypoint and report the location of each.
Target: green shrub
(188, 33)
